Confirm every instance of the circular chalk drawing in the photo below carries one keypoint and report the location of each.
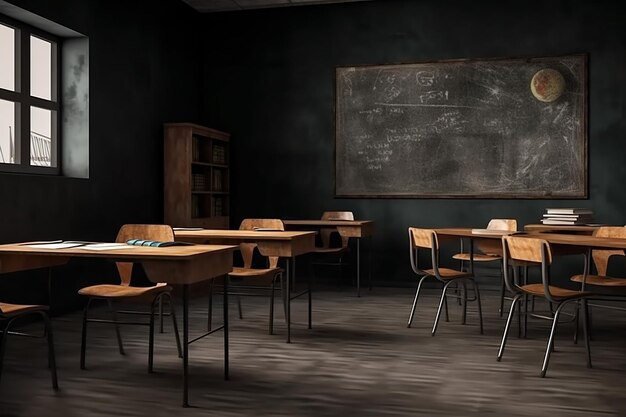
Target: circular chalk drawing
(547, 85)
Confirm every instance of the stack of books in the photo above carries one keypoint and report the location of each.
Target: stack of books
(567, 216)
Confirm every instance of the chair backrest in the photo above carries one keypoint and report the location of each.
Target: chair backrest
(502, 224)
(325, 233)
(247, 249)
(527, 250)
(601, 257)
(423, 239)
(160, 232)
(493, 246)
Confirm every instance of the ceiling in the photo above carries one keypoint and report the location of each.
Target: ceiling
(208, 6)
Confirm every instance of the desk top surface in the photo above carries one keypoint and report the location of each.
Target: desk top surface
(125, 252)
(318, 222)
(243, 234)
(552, 238)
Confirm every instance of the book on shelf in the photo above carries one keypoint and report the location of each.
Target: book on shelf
(569, 210)
(199, 182)
(218, 206)
(217, 180)
(219, 154)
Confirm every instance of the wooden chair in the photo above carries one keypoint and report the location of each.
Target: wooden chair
(489, 251)
(329, 254)
(601, 260)
(125, 292)
(426, 239)
(250, 281)
(13, 312)
(538, 252)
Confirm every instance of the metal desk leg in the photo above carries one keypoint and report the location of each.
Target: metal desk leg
(288, 292)
(185, 345)
(226, 370)
(369, 273)
(358, 267)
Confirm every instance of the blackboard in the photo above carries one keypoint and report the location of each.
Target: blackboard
(462, 128)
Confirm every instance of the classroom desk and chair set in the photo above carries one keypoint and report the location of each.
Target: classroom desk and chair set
(211, 257)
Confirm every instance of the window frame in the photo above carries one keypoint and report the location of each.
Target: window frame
(24, 101)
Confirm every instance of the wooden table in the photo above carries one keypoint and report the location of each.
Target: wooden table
(347, 228)
(270, 243)
(551, 228)
(183, 265)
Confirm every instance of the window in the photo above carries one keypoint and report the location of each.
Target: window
(29, 104)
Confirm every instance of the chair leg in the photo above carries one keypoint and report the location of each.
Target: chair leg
(445, 302)
(577, 321)
(160, 315)
(310, 304)
(586, 331)
(550, 347)
(272, 306)
(210, 312)
(525, 316)
(464, 298)
(441, 301)
(174, 323)
(51, 357)
(239, 307)
(502, 289)
(151, 335)
(480, 309)
(3, 343)
(83, 342)
(120, 345)
(417, 293)
(507, 325)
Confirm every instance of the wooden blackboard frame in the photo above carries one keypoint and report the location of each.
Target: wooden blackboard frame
(576, 87)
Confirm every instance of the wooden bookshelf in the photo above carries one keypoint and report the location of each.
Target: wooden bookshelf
(196, 176)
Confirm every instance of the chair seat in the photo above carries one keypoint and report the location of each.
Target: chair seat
(334, 251)
(600, 280)
(478, 257)
(122, 291)
(557, 292)
(8, 310)
(239, 272)
(447, 273)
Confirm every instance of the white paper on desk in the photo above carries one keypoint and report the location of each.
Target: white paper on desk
(61, 245)
(180, 229)
(106, 246)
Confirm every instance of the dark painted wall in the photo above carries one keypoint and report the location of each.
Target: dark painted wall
(269, 80)
(144, 71)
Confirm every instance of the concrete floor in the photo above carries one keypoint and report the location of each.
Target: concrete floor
(359, 359)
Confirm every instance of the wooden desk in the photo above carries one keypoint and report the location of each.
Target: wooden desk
(270, 243)
(183, 265)
(550, 228)
(348, 228)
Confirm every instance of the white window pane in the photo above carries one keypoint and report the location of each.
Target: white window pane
(7, 133)
(40, 68)
(41, 138)
(7, 57)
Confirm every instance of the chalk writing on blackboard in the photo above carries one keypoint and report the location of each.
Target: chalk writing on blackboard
(467, 128)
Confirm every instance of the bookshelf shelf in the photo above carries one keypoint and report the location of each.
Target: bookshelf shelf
(196, 176)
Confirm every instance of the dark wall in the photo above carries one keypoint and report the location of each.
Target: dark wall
(269, 80)
(144, 71)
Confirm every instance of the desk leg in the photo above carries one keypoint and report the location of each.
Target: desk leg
(226, 370)
(288, 292)
(185, 345)
(369, 276)
(358, 267)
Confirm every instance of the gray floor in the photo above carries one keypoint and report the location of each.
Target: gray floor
(359, 359)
